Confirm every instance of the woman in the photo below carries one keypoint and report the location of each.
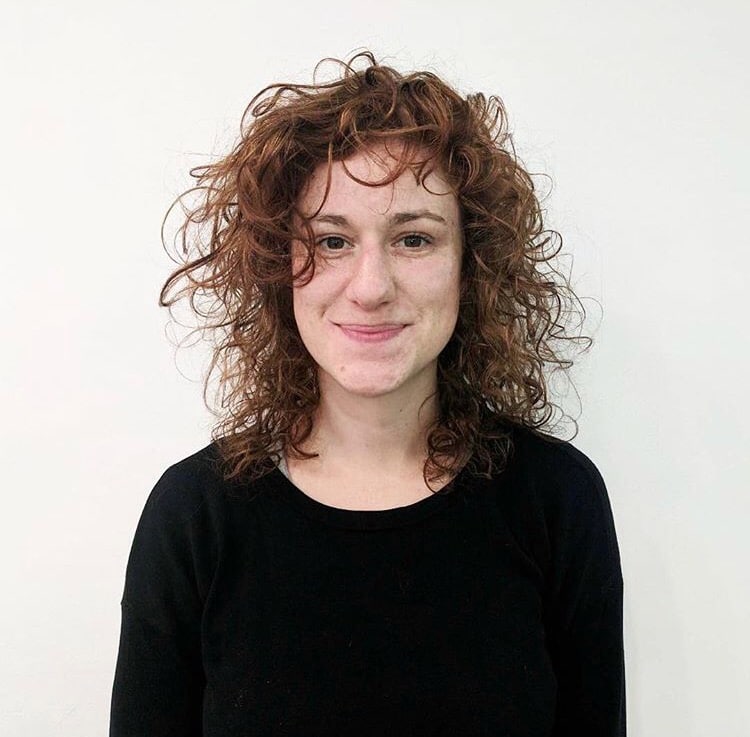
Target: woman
(381, 535)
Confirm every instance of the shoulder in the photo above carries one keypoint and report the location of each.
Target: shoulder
(185, 514)
(173, 550)
(553, 465)
(556, 504)
(556, 481)
(568, 491)
(197, 483)
(183, 488)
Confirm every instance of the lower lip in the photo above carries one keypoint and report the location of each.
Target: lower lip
(368, 337)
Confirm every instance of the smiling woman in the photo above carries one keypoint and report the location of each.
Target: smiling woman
(375, 317)
(381, 534)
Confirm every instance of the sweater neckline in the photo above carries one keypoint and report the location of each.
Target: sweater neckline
(369, 519)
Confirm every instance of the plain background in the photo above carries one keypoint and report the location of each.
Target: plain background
(638, 111)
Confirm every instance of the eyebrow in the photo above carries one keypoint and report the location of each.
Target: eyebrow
(397, 218)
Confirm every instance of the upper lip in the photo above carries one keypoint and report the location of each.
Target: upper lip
(372, 328)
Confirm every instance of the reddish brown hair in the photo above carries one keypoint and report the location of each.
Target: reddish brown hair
(514, 309)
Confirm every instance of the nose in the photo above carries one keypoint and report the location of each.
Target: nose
(371, 280)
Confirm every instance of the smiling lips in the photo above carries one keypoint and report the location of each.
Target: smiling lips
(372, 333)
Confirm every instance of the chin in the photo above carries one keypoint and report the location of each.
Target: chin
(368, 386)
(370, 389)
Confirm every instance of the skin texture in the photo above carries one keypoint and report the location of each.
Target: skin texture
(373, 270)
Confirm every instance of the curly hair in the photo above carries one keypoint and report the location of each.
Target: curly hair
(235, 243)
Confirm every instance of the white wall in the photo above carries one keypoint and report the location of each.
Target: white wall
(639, 112)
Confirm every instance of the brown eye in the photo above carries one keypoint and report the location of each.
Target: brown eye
(332, 242)
(413, 241)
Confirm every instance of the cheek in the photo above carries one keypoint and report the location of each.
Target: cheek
(308, 305)
(446, 306)
(319, 292)
(299, 306)
(440, 309)
(445, 286)
(301, 309)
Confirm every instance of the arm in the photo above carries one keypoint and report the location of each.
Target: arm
(158, 684)
(584, 613)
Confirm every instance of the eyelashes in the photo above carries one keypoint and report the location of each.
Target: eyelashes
(411, 242)
(425, 241)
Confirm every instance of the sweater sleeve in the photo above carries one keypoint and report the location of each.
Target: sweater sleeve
(158, 683)
(585, 601)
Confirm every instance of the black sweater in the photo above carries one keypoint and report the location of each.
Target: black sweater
(491, 608)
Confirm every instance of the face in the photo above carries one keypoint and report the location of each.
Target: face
(384, 299)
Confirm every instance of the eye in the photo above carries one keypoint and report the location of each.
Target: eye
(414, 241)
(332, 242)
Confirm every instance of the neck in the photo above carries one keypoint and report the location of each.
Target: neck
(372, 433)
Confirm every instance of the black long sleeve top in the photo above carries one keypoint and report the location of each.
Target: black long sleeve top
(491, 608)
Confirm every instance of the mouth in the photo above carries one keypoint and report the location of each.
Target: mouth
(372, 333)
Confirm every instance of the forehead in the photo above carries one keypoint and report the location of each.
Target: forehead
(372, 166)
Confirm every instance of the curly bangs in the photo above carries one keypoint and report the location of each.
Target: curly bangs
(236, 268)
